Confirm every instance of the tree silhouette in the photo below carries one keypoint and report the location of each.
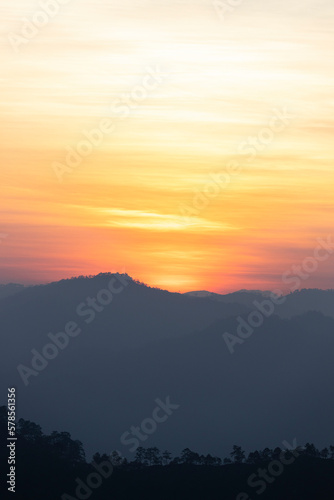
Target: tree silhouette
(266, 455)
(166, 457)
(116, 459)
(98, 458)
(66, 448)
(277, 453)
(238, 455)
(208, 460)
(29, 430)
(324, 453)
(189, 457)
(311, 450)
(152, 456)
(140, 455)
(254, 457)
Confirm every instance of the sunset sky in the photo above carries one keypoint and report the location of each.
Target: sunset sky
(184, 89)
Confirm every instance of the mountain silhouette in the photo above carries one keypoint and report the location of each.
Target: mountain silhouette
(10, 289)
(296, 303)
(150, 344)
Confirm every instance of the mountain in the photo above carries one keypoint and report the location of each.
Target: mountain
(150, 348)
(10, 289)
(297, 302)
(136, 314)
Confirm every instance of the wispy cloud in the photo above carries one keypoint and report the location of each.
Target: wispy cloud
(160, 222)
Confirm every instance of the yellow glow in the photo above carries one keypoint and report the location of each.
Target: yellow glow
(145, 198)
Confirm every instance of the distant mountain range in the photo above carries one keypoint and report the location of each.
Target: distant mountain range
(129, 345)
(297, 302)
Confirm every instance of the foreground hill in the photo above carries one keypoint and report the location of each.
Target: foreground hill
(54, 467)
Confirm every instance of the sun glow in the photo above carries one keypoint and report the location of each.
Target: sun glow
(186, 94)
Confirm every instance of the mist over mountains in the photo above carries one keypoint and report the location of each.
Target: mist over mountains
(123, 345)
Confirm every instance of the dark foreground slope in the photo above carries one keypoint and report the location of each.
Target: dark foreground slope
(53, 467)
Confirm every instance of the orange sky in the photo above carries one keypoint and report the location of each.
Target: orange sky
(183, 92)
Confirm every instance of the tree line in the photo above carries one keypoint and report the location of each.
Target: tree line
(153, 456)
(50, 465)
(65, 448)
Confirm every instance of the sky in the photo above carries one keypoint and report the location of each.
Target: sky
(187, 143)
